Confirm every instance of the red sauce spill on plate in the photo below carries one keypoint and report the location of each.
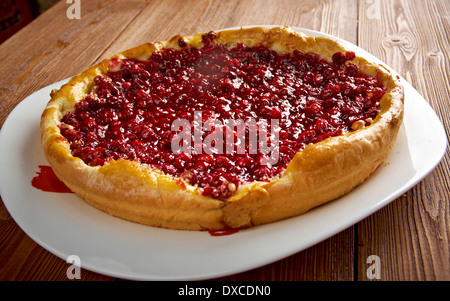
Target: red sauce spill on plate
(222, 232)
(46, 180)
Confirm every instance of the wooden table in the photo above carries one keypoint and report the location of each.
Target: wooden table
(410, 235)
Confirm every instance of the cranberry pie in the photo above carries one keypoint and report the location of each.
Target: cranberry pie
(224, 129)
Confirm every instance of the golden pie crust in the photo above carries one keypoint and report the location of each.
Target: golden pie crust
(318, 174)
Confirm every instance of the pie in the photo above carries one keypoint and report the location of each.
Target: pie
(224, 129)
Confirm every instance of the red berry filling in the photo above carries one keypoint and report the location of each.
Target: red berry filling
(130, 112)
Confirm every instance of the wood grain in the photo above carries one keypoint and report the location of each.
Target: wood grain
(411, 235)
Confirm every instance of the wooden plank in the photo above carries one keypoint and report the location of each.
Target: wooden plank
(411, 235)
(156, 22)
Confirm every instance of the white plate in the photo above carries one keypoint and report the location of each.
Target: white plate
(66, 225)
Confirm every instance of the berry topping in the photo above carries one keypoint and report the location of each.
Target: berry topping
(218, 117)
